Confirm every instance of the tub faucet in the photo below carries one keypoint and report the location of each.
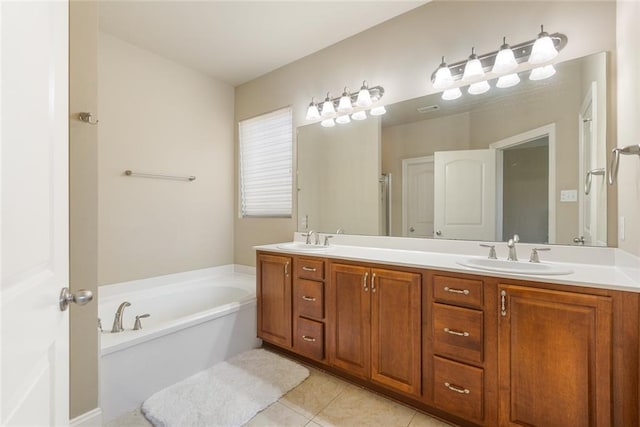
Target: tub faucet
(117, 321)
(513, 256)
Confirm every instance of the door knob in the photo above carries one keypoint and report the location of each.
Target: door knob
(81, 297)
(438, 233)
(412, 229)
(579, 240)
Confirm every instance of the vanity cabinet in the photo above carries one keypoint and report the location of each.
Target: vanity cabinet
(309, 308)
(555, 354)
(375, 321)
(273, 290)
(454, 363)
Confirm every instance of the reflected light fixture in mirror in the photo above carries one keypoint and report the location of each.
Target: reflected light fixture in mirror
(378, 111)
(451, 94)
(479, 87)
(509, 80)
(343, 119)
(542, 73)
(328, 123)
(359, 115)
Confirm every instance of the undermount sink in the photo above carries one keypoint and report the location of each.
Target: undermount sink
(298, 246)
(517, 267)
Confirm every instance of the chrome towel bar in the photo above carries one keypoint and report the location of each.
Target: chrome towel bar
(156, 176)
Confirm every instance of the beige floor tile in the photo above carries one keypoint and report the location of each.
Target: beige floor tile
(422, 420)
(314, 394)
(130, 419)
(278, 415)
(358, 407)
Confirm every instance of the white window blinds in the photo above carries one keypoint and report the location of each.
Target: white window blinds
(266, 158)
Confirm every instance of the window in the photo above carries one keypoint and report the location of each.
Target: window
(266, 158)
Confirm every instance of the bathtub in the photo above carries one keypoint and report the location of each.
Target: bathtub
(198, 318)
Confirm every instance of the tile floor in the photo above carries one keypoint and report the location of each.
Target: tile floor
(323, 400)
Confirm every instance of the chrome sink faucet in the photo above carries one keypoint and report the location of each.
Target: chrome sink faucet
(117, 321)
(513, 256)
(308, 236)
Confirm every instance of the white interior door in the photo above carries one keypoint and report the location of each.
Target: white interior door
(34, 230)
(417, 197)
(465, 194)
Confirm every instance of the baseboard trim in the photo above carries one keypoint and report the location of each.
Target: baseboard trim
(92, 418)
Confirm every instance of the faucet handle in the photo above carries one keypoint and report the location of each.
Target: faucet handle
(492, 250)
(516, 238)
(534, 254)
(138, 325)
(326, 239)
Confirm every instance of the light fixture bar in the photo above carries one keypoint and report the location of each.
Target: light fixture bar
(521, 52)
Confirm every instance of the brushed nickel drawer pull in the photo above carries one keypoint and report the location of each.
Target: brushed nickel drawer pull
(312, 269)
(306, 298)
(309, 339)
(364, 282)
(458, 333)
(457, 291)
(373, 282)
(457, 389)
(286, 269)
(503, 303)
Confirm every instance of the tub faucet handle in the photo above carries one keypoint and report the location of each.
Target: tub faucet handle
(138, 325)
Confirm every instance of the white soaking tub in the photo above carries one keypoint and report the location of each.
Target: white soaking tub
(198, 319)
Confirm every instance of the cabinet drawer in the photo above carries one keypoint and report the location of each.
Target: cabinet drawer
(309, 338)
(308, 268)
(457, 332)
(308, 298)
(458, 291)
(458, 389)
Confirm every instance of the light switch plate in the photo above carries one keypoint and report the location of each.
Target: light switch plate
(569, 195)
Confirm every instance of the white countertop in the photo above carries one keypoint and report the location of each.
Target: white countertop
(605, 275)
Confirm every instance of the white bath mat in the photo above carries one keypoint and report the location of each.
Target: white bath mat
(228, 394)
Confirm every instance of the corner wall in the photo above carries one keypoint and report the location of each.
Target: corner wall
(157, 116)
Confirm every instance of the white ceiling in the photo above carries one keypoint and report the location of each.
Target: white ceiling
(237, 41)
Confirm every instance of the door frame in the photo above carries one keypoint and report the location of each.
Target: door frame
(550, 132)
(405, 164)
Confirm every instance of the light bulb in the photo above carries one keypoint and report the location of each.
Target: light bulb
(443, 78)
(505, 59)
(508, 81)
(364, 97)
(542, 73)
(473, 68)
(343, 119)
(345, 103)
(479, 87)
(328, 123)
(543, 49)
(378, 111)
(327, 107)
(359, 115)
(451, 94)
(312, 111)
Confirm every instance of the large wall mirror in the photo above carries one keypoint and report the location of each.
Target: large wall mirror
(525, 160)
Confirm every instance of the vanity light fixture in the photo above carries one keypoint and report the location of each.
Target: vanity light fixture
(502, 64)
(543, 49)
(328, 109)
(348, 106)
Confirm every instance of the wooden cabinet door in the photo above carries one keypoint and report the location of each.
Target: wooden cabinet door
(274, 299)
(554, 358)
(395, 330)
(349, 305)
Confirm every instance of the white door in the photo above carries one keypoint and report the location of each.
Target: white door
(34, 198)
(465, 194)
(417, 197)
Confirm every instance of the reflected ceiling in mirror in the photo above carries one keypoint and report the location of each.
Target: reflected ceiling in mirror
(416, 171)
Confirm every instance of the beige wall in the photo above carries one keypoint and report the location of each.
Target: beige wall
(83, 206)
(160, 117)
(339, 169)
(628, 68)
(400, 54)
